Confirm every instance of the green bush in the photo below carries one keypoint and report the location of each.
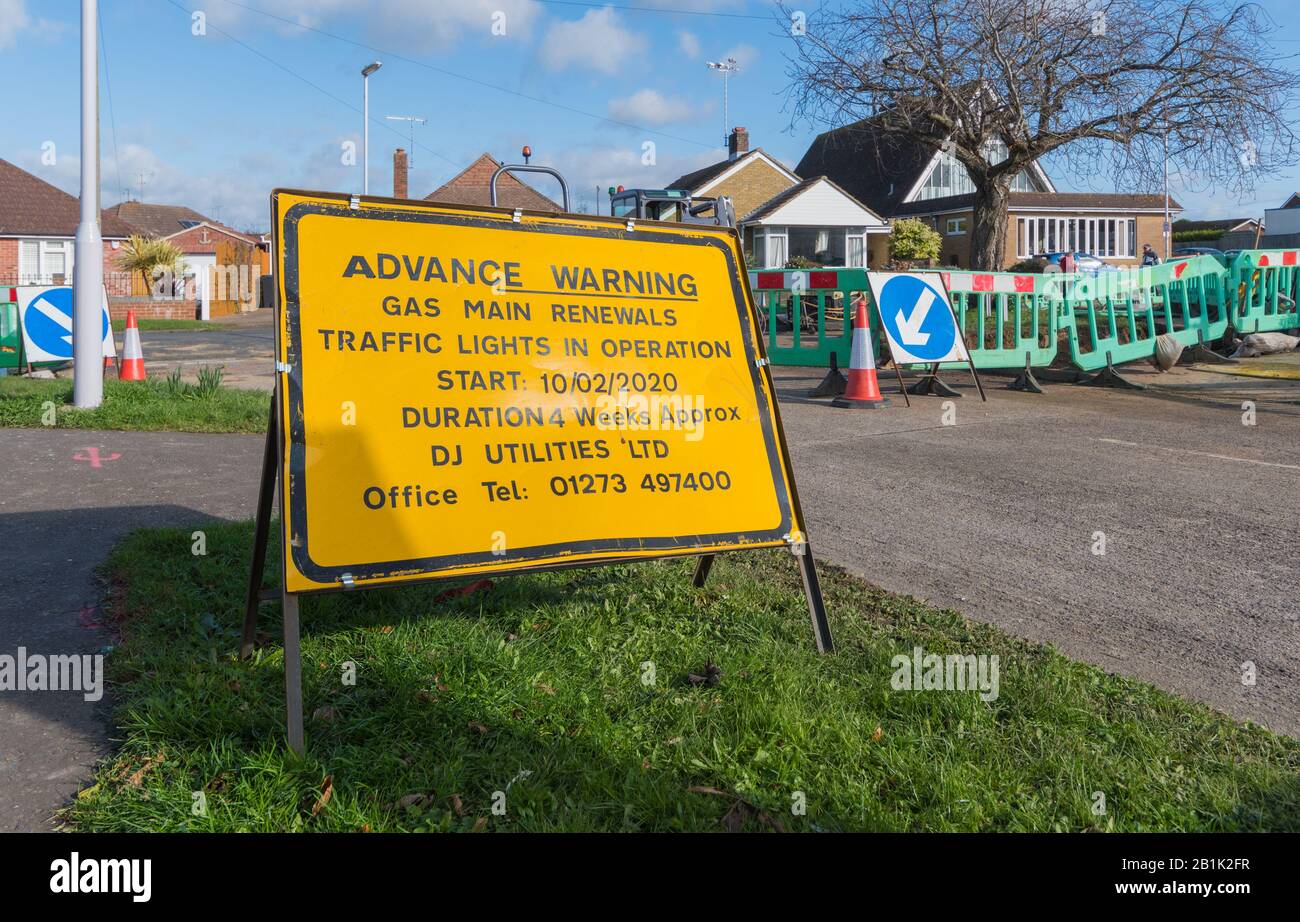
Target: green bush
(913, 241)
(1190, 235)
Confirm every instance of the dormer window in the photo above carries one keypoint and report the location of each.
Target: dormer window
(949, 177)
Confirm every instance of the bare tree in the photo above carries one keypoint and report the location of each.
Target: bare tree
(1099, 84)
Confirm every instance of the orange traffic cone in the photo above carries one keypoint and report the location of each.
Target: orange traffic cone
(863, 391)
(132, 358)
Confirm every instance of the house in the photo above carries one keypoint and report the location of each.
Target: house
(215, 256)
(1283, 224)
(900, 178)
(781, 216)
(749, 177)
(1223, 234)
(38, 224)
(813, 220)
(471, 186)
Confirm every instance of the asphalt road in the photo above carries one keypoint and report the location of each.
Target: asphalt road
(244, 348)
(997, 516)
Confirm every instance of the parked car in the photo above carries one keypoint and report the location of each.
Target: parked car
(1085, 262)
(1218, 254)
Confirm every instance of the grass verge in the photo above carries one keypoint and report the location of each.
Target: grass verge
(163, 324)
(154, 404)
(539, 686)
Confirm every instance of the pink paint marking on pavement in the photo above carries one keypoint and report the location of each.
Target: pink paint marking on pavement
(94, 457)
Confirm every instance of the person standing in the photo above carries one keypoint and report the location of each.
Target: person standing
(1149, 257)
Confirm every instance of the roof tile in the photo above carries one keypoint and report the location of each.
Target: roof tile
(31, 207)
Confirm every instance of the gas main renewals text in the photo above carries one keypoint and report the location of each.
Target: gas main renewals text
(473, 271)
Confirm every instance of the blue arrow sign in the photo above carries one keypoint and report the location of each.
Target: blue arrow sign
(47, 322)
(917, 319)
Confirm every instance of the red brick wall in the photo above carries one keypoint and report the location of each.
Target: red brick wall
(8, 259)
(148, 307)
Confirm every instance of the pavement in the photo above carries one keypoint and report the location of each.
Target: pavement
(59, 517)
(996, 515)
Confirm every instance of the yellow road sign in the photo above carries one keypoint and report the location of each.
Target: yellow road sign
(465, 390)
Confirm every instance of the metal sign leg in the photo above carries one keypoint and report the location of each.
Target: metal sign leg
(265, 494)
(292, 673)
(702, 568)
(812, 590)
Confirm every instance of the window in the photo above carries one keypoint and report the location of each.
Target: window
(1105, 237)
(949, 177)
(44, 262)
(857, 250)
(775, 250)
(955, 227)
(817, 244)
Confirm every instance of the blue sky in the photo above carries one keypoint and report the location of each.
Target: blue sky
(215, 121)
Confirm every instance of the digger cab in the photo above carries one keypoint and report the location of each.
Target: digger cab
(673, 205)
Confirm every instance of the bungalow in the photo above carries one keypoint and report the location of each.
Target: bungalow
(815, 221)
(748, 177)
(472, 186)
(900, 178)
(206, 245)
(781, 216)
(1223, 234)
(38, 224)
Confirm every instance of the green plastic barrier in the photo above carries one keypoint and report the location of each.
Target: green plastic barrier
(1014, 321)
(1116, 317)
(1009, 320)
(807, 314)
(1263, 288)
(11, 336)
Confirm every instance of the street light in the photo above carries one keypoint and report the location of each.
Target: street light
(365, 137)
(727, 68)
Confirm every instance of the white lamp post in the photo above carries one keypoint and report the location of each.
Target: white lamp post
(88, 268)
(365, 136)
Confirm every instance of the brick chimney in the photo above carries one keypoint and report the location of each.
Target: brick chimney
(738, 142)
(400, 176)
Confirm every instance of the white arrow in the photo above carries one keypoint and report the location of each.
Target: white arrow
(909, 328)
(53, 313)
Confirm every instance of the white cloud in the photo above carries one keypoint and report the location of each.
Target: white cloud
(588, 167)
(235, 195)
(689, 44)
(597, 41)
(650, 107)
(413, 22)
(13, 19)
(410, 25)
